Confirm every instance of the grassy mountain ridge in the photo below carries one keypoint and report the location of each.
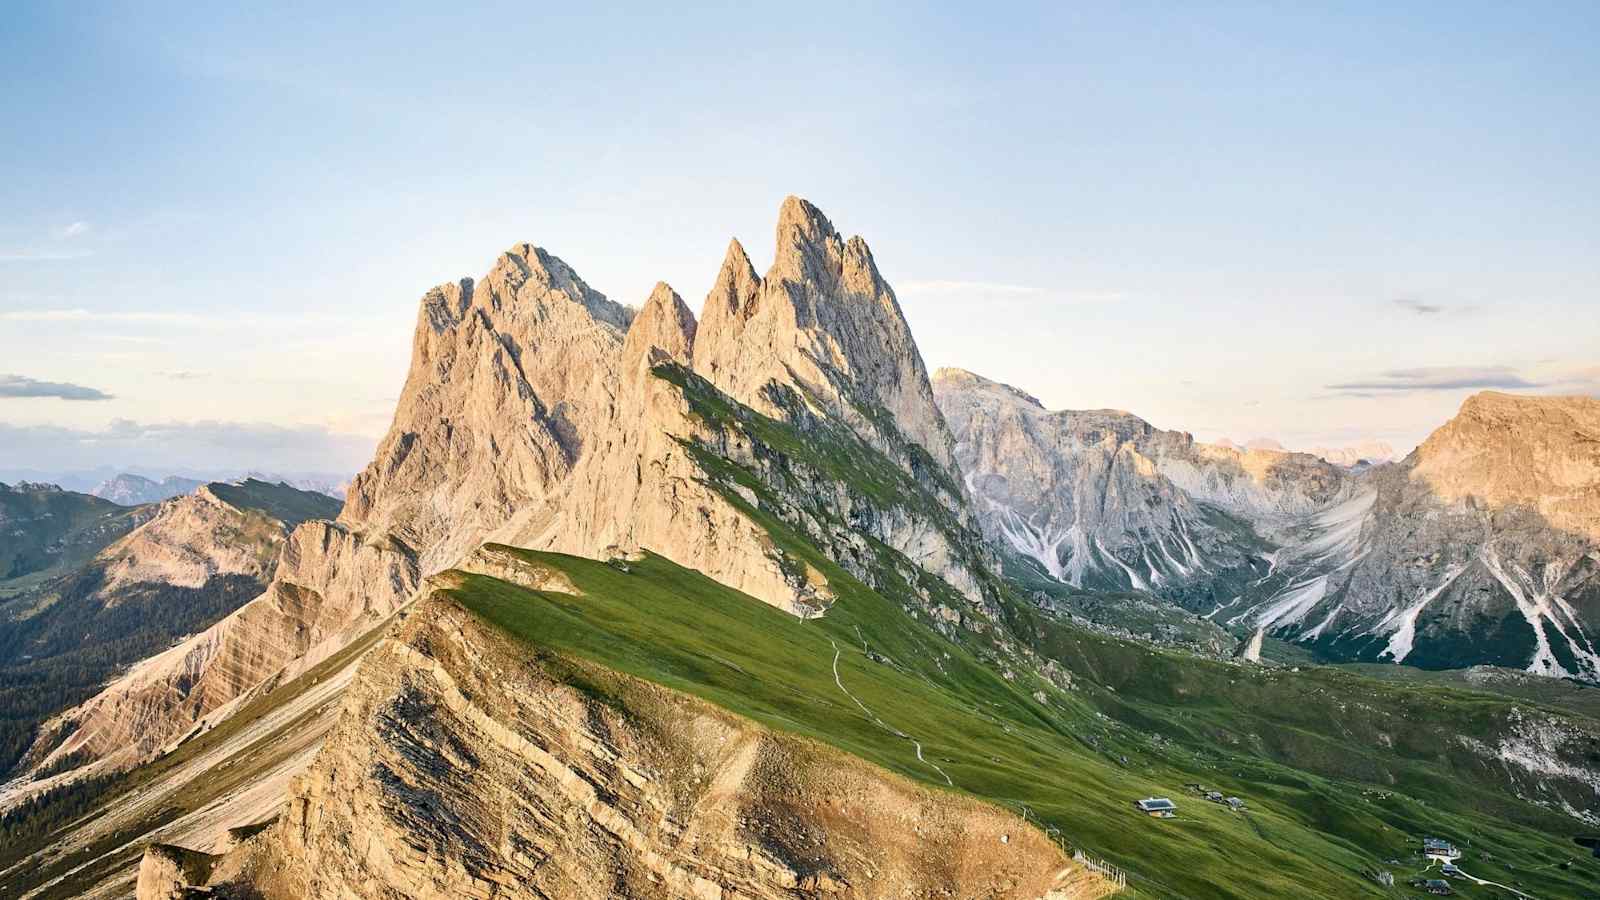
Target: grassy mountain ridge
(1307, 834)
(46, 531)
(73, 631)
(884, 675)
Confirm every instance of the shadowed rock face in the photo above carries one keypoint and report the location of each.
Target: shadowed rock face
(459, 769)
(1479, 547)
(1100, 498)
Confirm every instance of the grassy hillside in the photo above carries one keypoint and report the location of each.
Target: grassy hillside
(70, 636)
(45, 531)
(288, 505)
(868, 679)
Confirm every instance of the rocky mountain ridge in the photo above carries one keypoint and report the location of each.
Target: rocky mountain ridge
(539, 413)
(1102, 499)
(190, 558)
(1479, 547)
(128, 489)
(678, 799)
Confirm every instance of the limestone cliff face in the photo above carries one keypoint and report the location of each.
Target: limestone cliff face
(639, 485)
(823, 322)
(190, 540)
(461, 769)
(1101, 498)
(1479, 547)
(1482, 546)
(821, 343)
(510, 380)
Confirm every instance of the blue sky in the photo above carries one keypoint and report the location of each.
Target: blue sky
(1237, 219)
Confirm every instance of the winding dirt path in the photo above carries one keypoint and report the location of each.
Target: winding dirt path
(879, 722)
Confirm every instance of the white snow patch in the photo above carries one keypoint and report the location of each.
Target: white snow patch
(1405, 633)
(1538, 602)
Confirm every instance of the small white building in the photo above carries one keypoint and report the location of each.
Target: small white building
(1157, 807)
(1439, 848)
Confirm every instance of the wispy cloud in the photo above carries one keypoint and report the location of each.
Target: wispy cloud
(42, 251)
(22, 256)
(1000, 289)
(19, 386)
(1426, 308)
(84, 315)
(183, 375)
(1410, 304)
(1438, 378)
(179, 446)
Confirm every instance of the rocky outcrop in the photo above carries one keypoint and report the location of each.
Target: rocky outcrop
(171, 873)
(825, 324)
(331, 586)
(1482, 546)
(459, 770)
(1101, 498)
(128, 489)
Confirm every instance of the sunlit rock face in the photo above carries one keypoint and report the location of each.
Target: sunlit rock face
(458, 770)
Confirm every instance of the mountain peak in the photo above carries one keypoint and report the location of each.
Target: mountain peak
(736, 286)
(529, 270)
(662, 331)
(826, 323)
(798, 216)
(952, 378)
(1519, 450)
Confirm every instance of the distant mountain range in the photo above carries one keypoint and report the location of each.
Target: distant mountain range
(1481, 546)
(1369, 452)
(128, 489)
(133, 487)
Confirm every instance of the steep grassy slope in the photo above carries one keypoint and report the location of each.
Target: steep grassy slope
(45, 531)
(76, 629)
(279, 502)
(868, 680)
(85, 840)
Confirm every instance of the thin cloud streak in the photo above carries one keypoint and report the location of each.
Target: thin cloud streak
(22, 387)
(1419, 307)
(25, 256)
(1439, 378)
(999, 289)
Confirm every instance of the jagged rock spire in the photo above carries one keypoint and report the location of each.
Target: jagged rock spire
(663, 330)
(825, 323)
